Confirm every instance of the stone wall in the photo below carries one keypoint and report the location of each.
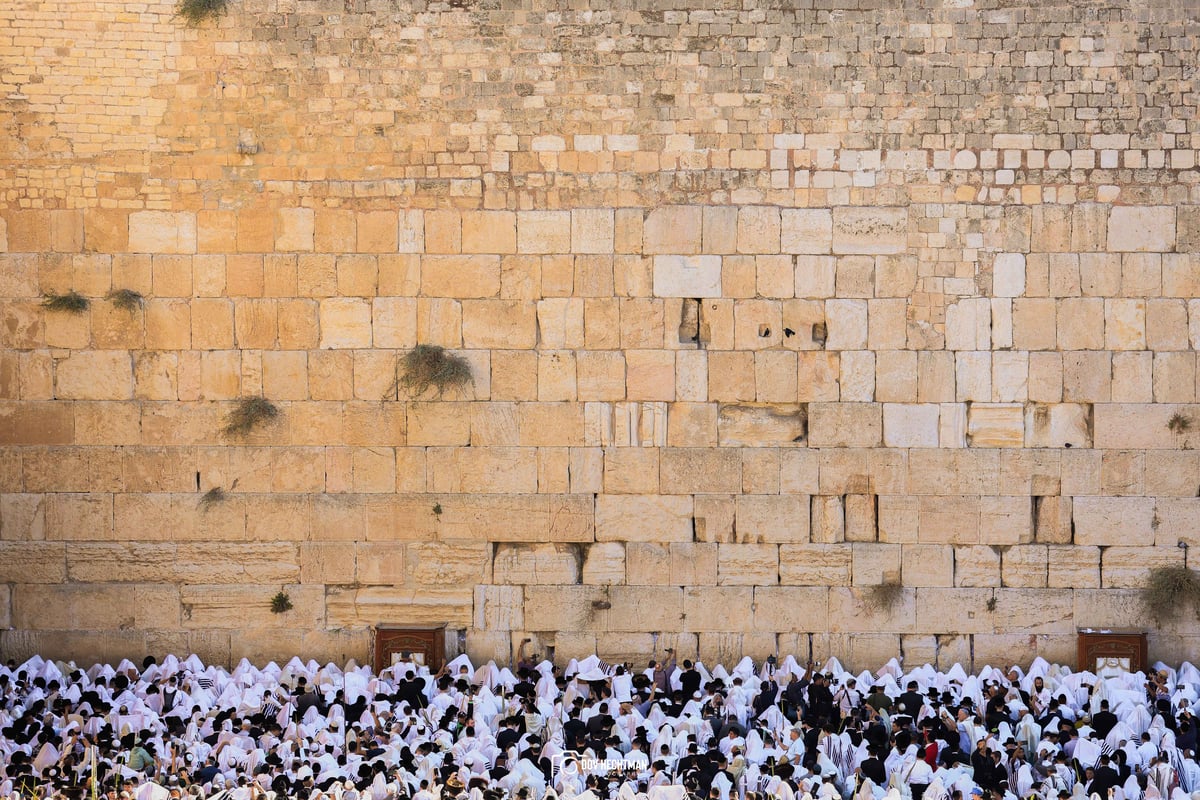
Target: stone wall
(766, 305)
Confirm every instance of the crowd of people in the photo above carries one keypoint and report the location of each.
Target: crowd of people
(672, 730)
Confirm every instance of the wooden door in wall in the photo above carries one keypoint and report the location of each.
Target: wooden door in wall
(401, 643)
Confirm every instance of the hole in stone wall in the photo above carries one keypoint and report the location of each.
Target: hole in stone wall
(689, 322)
(819, 334)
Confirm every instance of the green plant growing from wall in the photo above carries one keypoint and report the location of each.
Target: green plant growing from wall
(425, 367)
(72, 302)
(281, 603)
(437, 510)
(1168, 590)
(248, 414)
(125, 299)
(195, 12)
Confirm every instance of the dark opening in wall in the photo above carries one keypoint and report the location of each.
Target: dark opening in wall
(689, 322)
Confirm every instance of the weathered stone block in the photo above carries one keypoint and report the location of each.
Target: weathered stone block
(845, 424)
(95, 375)
(536, 563)
(925, 565)
(806, 230)
(604, 563)
(1073, 567)
(1114, 521)
(747, 564)
(636, 518)
(162, 232)
(996, 425)
(815, 564)
(772, 518)
(1141, 229)
(709, 608)
(873, 231)
(672, 230)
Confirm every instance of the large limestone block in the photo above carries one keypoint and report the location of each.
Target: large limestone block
(1141, 426)
(745, 425)
(815, 564)
(1034, 611)
(358, 608)
(1114, 521)
(861, 609)
(953, 611)
(872, 231)
(1073, 567)
(710, 608)
(448, 563)
(544, 232)
(499, 324)
(517, 518)
(85, 517)
(1005, 520)
(162, 232)
(1025, 566)
(911, 425)
(714, 518)
(1052, 519)
(758, 229)
(949, 519)
(1147, 229)
(551, 424)
(489, 232)
(806, 230)
(95, 375)
(772, 518)
(566, 608)
(97, 607)
(1178, 520)
(438, 423)
(976, 566)
(1130, 567)
(898, 518)
(34, 562)
(969, 324)
(485, 470)
(1058, 425)
(334, 562)
(536, 563)
(663, 518)
(695, 470)
(345, 323)
(460, 276)
(1109, 608)
(631, 470)
(845, 424)
(875, 564)
(996, 425)
(692, 425)
(687, 276)
(672, 230)
(779, 609)
(604, 563)
(747, 564)
(847, 324)
(500, 608)
(645, 608)
(828, 519)
(925, 565)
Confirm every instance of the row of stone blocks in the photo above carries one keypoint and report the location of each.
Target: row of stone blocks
(576, 569)
(998, 626)
(857, 651)
(518, 432)
(650, 330)
(666, 230)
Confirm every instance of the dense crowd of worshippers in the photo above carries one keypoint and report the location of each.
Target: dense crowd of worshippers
(593, 731)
